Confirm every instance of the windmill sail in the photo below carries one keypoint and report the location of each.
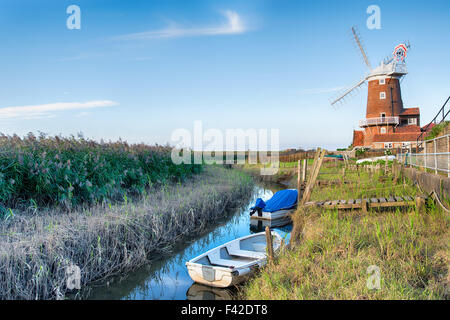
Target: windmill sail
(360, 46)
(348, 92)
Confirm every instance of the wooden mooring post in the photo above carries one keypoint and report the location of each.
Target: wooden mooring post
(386, 166)
(305, 167)
(269, 244)
(420, 203)
(299, 178)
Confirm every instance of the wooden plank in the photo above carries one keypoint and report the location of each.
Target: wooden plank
(345, 206)
(334, 202)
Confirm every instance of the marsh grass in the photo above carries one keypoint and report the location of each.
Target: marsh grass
(336, 249)
(107, 239)
(69, 172)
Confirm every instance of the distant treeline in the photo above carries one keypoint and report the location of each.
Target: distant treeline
(262, 156)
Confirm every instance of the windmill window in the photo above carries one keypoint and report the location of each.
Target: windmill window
(412, 121)
(382, 95)
(382, 81)
(383, 130)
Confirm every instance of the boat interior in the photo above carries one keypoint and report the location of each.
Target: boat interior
(237, 253)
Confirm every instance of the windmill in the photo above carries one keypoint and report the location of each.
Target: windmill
(387, 124)
(393, 67)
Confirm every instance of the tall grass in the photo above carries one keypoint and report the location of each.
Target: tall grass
(336, 249)
(333, 257)
(107, 239)
(41, 171)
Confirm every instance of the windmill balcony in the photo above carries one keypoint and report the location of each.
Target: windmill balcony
(378, 121)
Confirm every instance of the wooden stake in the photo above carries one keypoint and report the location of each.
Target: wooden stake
(269, 244)
(420, 203)
(386, 165)
(299, 177)
(313, 178)
(305, 166)
(364, 205)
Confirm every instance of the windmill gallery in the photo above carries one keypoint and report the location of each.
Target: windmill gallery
(387, 124)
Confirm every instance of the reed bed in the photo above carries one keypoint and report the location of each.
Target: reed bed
(69, 172)
(106, 239)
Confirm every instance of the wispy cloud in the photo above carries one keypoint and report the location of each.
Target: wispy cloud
(233, 25)
(321, 90)
(81, 56)
(48, 110)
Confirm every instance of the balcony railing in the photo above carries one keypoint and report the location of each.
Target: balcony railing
(378, 121)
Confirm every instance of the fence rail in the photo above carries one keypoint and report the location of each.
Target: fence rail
(438, 159)
(378, 121)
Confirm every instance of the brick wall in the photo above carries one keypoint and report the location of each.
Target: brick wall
(375, 105)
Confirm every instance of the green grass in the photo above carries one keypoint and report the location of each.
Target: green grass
(67, 172)
(335, 250)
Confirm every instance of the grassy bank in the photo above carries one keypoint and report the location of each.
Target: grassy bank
(107, 239)
(332, 259)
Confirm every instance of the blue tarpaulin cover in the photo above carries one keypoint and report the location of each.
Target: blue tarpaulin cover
(282, 200)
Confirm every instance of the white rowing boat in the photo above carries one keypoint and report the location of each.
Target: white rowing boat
(232, 262)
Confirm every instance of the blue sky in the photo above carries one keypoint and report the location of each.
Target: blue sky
(141, 69)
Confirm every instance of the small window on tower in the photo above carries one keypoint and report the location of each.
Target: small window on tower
(382, 95)
(412, 121)
(383, 130)
(382, 81)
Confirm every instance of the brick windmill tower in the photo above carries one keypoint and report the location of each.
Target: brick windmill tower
(387, 124)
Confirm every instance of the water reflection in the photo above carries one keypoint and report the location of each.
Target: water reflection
(167, 278)
(260, 225)
(201, 292)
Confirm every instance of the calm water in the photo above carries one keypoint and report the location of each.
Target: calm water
(167, 277)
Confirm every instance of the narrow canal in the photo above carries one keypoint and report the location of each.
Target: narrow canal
(167, 278)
